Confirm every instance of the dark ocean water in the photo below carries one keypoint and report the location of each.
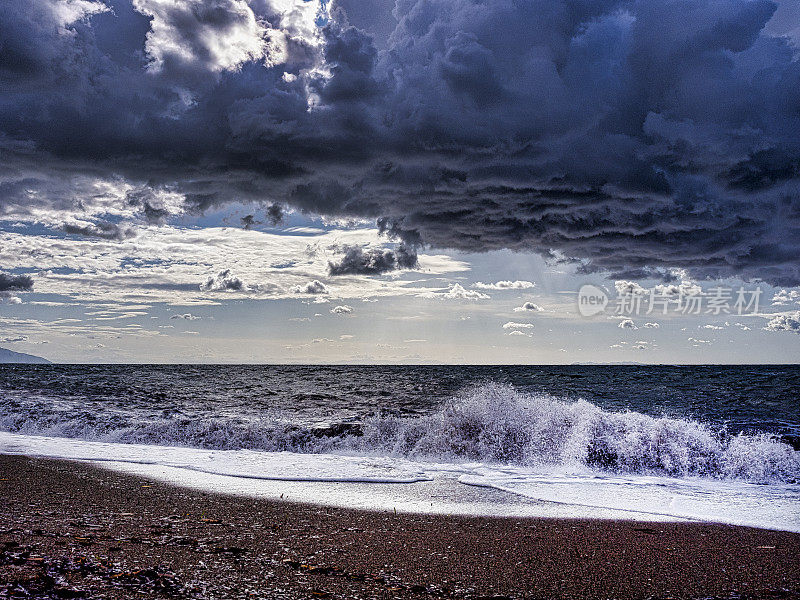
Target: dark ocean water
(473, 411)
(745, 398)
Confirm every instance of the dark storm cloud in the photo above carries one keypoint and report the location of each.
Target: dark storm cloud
(146, 200)
(373, 16)
(186, 316)
(373, 261)
(275, 214)
(248, 221)
(223, 282)
(632, 136)
(641, 273)
(15, 283)
(102, 230)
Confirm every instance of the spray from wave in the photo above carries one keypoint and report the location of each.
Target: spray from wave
(495, 423)
(490, 423)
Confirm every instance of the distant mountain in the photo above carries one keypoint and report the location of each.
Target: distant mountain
(621, 363)
(9, 356)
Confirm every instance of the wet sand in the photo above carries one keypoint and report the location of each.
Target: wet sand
(70, 530)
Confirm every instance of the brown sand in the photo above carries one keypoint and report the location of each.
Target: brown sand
(73, 530)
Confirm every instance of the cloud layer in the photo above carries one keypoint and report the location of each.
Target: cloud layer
(785, 322)
(626, 135)
(15, 283)
(373, 261)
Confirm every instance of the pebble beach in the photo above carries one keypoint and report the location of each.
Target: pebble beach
(72, 530)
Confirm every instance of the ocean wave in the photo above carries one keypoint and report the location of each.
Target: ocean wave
(490, 423)
(495, 423)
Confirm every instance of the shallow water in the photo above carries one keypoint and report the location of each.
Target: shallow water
(687, 443)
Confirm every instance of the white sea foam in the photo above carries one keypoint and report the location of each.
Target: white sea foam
(733, 502)
(437, 487)
(491, 423)
(247, 464)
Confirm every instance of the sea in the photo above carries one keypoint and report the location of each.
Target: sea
(648, 443)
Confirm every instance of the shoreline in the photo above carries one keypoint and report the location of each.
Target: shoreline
(76, 530)
(375, 483)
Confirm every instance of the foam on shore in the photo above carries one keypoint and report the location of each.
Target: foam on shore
(453, 487)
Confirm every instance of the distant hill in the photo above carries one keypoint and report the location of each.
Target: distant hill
(9, 356)
(622, 363)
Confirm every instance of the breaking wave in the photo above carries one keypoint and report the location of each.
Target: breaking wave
(490, 423)
(495, 423)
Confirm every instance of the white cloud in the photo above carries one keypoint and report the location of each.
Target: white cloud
(190, 32)
(651, 326)
(312, 287)
(529, 306)
(72, 329)
(785, 322)
(684, 288)
(505, 285)
(513, 325)
(709, 326)
(342, 310)
(456, 292)
(14, 339)
(186, 316)
(627, 324)
(518, 332)
(168, 263)
(697, 342)
(629, 287)
(785, 297)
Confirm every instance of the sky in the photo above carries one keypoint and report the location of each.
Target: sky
(419, 181)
